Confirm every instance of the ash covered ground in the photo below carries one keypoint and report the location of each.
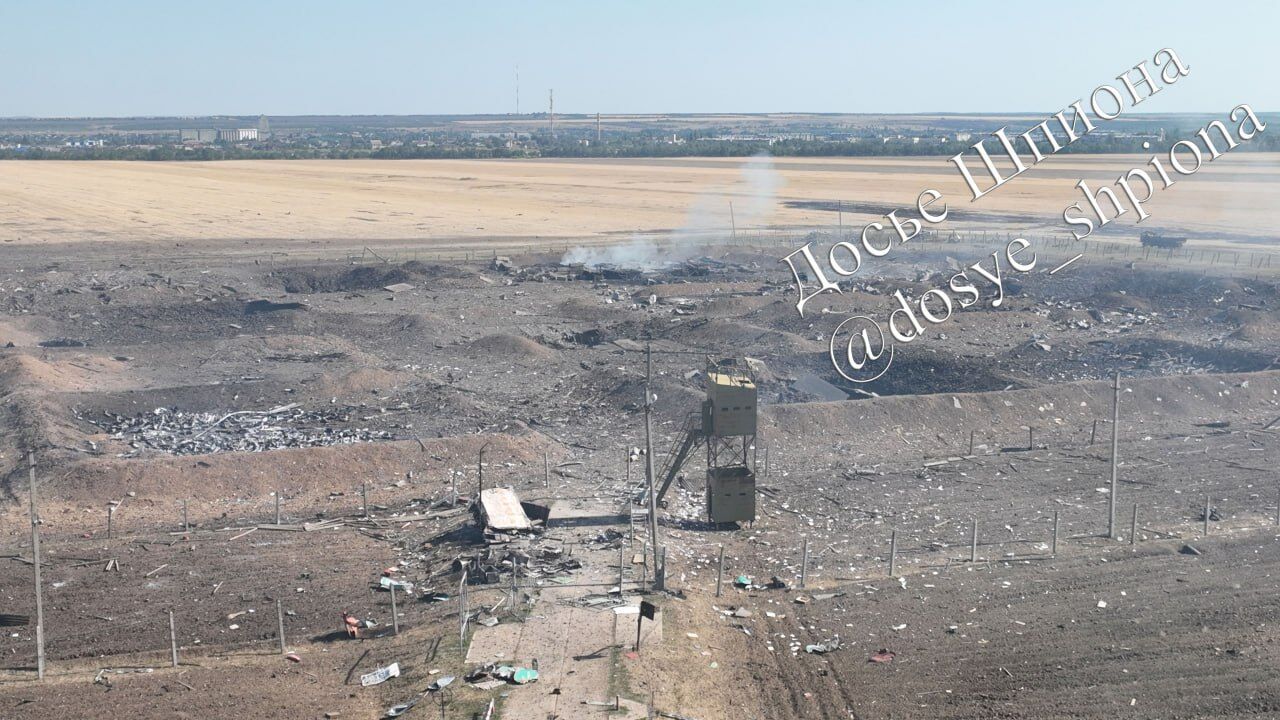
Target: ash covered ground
(219, 383)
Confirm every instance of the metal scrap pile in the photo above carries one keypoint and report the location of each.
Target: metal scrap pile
(183, 433)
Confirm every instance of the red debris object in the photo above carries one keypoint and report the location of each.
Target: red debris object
(884, 656)
(293, 657)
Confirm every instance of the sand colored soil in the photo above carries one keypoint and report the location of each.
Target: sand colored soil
(435, 200)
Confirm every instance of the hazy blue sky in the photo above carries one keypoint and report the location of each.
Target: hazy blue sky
(144, 57)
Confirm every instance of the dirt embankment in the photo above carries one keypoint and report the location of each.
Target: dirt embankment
(940, 424)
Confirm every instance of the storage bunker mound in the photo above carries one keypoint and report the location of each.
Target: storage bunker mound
(363, 277)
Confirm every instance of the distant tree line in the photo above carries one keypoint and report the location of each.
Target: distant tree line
(692, 144)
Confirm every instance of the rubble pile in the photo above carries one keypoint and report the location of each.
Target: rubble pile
(184, 433)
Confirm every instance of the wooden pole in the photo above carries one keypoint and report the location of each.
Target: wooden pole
(277, 506)
(644, 568)
(1115, 447)
(720, 571)
(1278, 508)
(35, 556)
(622, 567)
(546, 471)
(973, 542)
(1031, 438)
(111, 512)
(1206, 515)
(1055, 533)
(173, 642)
(395, 616)
(1133, 526)
(280, 624)
(804, 563)
(364, 497)
(893, 553)
(186, 526)
(971, 434)
(1093, 434)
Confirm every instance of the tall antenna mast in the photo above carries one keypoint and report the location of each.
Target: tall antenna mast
(517, 90)
(551, 98)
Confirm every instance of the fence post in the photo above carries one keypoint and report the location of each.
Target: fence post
(364, 497)
(277, 494)
(1206, 515)
(1055, 533)
(893, 553)
(111, 512)
(804, 563)
(1133, 526)
(280, 624)
(395, 616)
(622, 567)
(1115, 447)
(720, 571)
(173, 642)
(186, 527)
(973, 543)
(971, 434)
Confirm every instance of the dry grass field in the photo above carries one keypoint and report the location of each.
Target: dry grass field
(440, 200)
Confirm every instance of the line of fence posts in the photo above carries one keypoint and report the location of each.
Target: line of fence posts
(973, 556)
(1133, 539)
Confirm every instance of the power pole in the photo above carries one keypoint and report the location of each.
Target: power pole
(35, 555)
(551, 100)
(733, 222)
(597, 128)
(658, 571)
(517, 90)
(1115, 446)
(480, 472)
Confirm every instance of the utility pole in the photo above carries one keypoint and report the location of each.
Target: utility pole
(551, 100)
(517, 90)
(480, 471)
(733, 222)
(598, 134)
(1115, 446)
(659, 572)
(35, 555)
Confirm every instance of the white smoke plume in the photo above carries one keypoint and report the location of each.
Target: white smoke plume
(708, 220)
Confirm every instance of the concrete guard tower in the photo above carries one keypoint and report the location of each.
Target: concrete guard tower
(729, 426)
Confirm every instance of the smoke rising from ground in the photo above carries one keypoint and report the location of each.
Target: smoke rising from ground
(709, 220)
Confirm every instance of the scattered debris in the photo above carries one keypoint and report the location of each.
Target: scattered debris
(288, 426)
(823, 647)
(380, 675)
(883, 656)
